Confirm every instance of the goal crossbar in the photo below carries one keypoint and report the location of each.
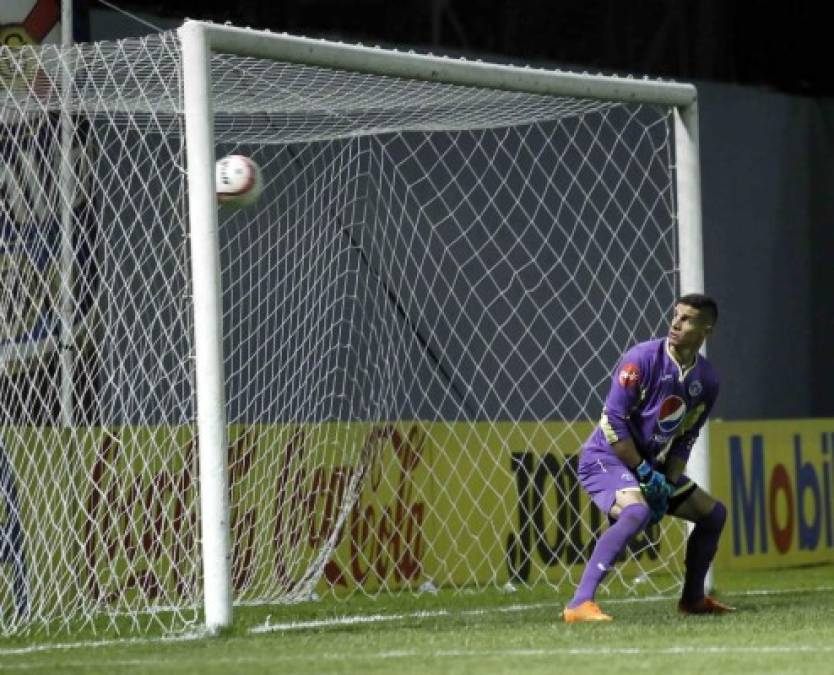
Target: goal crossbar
(427, 67)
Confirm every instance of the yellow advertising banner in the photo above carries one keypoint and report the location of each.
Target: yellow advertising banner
(97, 518)
(110, 517)
(461, 503)
(450, 503)
(776, 479)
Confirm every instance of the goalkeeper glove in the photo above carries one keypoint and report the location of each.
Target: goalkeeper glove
(655, 489)
(652, 483)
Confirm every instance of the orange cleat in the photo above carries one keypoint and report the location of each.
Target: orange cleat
(587, 611)
(705, 605)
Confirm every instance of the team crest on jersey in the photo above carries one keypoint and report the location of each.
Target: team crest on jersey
(671, 413)
(629, 376)
(695, 388)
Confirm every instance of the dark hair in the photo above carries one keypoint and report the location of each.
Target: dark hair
(700, 302)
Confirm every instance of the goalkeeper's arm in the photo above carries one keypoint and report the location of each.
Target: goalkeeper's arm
(651, 480)
(626, 451)
(673, 468)
(653, 484)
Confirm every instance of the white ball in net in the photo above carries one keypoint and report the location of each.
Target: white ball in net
(238, 180)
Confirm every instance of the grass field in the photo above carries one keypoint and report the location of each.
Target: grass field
(783, 625)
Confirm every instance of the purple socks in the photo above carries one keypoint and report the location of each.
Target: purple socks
(700, 550)
(613, 541)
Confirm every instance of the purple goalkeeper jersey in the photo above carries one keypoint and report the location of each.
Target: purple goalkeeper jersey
(660, 405)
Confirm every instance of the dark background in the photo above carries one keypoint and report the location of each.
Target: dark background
(782, 46)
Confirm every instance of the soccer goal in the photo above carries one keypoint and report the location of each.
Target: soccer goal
(374, 379)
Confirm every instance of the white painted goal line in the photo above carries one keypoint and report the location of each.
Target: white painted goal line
(358, 619)
(378, 618)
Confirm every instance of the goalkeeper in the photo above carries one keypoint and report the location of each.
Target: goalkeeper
(632, 465)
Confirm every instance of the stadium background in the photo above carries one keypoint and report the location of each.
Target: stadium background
(767, 129)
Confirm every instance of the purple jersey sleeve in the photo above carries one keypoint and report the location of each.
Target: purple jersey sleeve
(624, 395)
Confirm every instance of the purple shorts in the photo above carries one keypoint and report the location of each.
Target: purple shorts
(602, 475)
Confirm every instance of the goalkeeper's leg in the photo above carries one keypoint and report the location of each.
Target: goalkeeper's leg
(708, 514)
(632, 515)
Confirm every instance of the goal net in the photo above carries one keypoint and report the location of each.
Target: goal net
(420, 318)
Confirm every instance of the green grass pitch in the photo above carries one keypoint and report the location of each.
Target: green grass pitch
(783, 625)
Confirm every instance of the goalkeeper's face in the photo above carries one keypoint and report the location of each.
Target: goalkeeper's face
(689, 328)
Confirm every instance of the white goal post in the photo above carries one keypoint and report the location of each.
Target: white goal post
(201, 39)
(375, 378)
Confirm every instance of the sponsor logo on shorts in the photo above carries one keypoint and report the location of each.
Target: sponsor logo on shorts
(671, 414)
(629, 376)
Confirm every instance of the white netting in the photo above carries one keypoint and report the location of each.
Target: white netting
(421, 314)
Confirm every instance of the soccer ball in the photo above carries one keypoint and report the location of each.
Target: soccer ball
(238, 181)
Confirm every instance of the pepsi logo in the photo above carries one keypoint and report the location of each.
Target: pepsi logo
(629, 376)
(671, 413)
